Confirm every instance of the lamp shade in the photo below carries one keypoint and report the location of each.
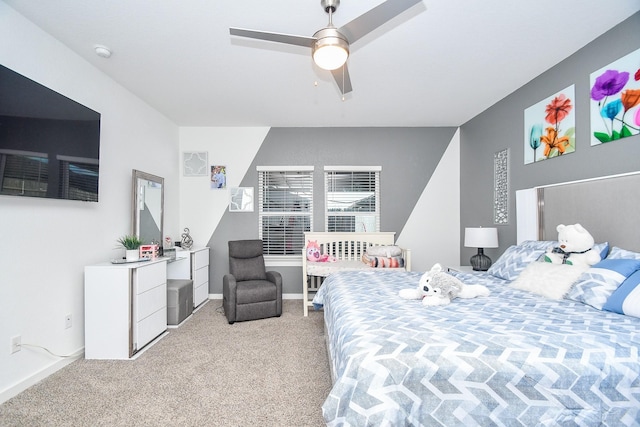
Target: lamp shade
(331, 49)
(481, 237)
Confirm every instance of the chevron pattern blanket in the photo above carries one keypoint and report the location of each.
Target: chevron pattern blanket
(510, 359)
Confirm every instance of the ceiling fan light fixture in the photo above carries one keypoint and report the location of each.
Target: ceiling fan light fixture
(331, 49)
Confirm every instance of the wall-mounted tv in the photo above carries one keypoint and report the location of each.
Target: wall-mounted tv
(49, 144)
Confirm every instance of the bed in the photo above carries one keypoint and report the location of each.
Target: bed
(514, 358)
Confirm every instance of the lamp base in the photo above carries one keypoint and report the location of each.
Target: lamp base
(480, 262)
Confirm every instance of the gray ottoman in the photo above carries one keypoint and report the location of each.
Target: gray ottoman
(179, 300)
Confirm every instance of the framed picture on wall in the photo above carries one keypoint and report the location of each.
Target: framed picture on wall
(218, 177)
(550, 126)
(194, 163)
(615, 100)
(241, 199)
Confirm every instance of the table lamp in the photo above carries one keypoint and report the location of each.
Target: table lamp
(480, 237)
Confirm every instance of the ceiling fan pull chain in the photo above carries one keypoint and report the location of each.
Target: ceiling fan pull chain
(343, 81)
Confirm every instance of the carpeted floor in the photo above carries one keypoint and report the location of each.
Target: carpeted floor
(270, 372)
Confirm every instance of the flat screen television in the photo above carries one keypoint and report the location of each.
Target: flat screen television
(49, 144)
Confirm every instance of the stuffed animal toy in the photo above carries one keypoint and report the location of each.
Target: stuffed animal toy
(576, 247)
(438, 288)
(314, 255)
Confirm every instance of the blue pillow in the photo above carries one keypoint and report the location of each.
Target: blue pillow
(626, 299)
(602, 249)
(618, 253)
(513, 261)
(597, 284)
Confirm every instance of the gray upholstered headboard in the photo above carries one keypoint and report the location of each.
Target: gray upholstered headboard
(608, 207)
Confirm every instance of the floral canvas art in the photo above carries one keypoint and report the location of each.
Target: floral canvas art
(615, 100)
(549, 127)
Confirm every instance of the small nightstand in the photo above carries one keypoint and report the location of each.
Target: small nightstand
(461, 268)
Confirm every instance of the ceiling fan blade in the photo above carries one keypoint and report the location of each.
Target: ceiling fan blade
(273, 37)
(369, 21)
(341, 75)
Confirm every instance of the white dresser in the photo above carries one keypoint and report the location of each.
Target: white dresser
(192, 264)
(125, 307)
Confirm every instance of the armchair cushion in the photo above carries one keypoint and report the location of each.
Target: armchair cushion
(247, 268)
(251, 291)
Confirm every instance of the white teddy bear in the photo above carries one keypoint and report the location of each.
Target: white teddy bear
(576, 247)
(438, 288)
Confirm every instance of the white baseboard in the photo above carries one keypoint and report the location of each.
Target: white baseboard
(21, 386)
(284, 296)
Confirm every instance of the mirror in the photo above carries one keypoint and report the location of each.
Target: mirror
(148, 207)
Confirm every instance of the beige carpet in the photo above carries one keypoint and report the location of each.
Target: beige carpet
(270, 372)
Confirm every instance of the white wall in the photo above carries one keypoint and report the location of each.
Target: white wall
(201, 207)
(437, 240)
(45, 244)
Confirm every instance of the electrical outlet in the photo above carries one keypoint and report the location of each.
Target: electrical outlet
(16, 344)
(67, 321)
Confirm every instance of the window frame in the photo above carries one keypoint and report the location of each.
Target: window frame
(329, 170)
(283, 259)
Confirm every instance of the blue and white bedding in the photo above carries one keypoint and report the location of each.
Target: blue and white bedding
(510, 359)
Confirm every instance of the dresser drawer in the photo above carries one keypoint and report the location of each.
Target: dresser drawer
(200, 294)
(201, 258)
(150, 327)
(150, 301)
(150, 276)
(201, 276)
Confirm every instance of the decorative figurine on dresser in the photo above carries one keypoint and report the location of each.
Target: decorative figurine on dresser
(187, 241)
(191, 263)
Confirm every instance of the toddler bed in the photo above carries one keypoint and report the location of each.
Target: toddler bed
(350, 251)
(514, 358)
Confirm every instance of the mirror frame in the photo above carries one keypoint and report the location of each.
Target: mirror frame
(137, 176)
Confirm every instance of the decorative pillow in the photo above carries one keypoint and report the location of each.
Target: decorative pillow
(597, 284)
(513, 261)
(384, 251)
(602, 249)
(626, 299)
(618, 253)
(549, 280)
(539, 244)
(383, 262)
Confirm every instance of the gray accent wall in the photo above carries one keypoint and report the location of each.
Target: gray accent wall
(408, 157)
(502, 126)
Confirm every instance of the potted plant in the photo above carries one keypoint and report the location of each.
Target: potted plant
(131, 245)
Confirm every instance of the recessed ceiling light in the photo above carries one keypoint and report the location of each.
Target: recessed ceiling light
(102, 51)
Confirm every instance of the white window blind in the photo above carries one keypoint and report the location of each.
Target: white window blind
(285, 200)
(352, 199)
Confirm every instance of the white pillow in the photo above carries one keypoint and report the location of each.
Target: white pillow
(384, 251)
(549, 280)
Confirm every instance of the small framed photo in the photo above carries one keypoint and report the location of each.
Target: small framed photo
(241, 199)
(218, 177)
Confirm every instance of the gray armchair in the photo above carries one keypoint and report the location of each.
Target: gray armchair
(250, 292)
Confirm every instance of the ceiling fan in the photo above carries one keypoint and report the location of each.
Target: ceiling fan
(330, 45)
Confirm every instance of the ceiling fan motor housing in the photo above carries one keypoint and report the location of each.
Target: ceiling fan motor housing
(330, 5)
(330, 42)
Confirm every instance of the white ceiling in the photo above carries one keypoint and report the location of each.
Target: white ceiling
(440, 63)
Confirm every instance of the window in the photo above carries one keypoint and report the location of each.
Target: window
(285, 200)
(352, 198)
